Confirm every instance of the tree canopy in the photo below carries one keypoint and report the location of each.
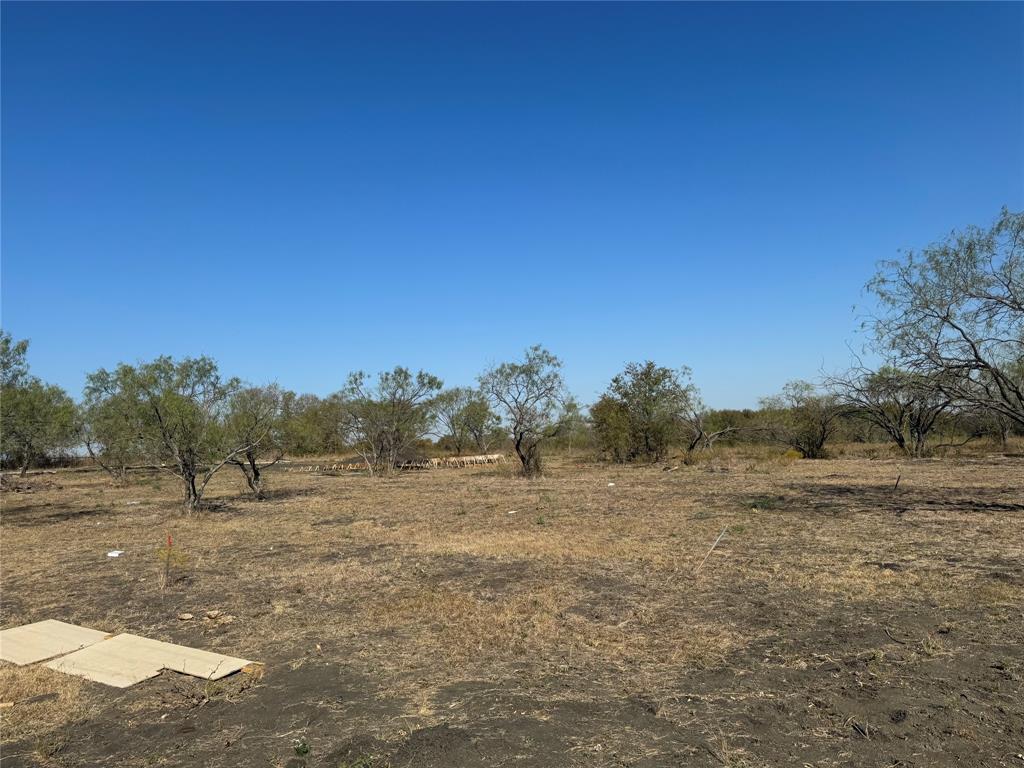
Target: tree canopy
(528, 394)
(179, 409)
(956, 309)
(385, 419)
(643, 411)
(36, 419)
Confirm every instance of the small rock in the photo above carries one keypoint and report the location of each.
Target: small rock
(212, 614)
(185, 617)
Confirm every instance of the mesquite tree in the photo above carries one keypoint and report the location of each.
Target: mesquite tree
(451, 406)
(385, 420)
(654, 398)
(905, 405)
(181, 407)
(465, 417)
(311, 425)
(254, 420)
(482, 424)
(36, 418)
(802, 418)
(13, 363)
(112, 424)
(648, 408)
(955, 311)
(529, 395)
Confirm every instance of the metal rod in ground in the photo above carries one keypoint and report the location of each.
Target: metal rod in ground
(710, 550)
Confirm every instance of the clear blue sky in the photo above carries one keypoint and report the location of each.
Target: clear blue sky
(300, 190)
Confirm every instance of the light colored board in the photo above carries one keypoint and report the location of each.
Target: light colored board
(180, 658)
(44, 640)
(125, 659)
(106, 663)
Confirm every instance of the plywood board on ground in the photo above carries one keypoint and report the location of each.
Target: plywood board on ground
(106, 663)
(44, 640)
(126, 659)
(180, 658)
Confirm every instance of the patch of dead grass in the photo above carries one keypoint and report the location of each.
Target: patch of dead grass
(425, 578)
(40, 698)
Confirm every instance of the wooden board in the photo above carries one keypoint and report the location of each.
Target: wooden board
(44, 640)
(106, 663)
(181, 658)
(126, 659)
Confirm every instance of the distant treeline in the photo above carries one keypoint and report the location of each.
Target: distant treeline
(949, 330)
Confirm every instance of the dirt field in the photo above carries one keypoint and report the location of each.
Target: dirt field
(468, 618)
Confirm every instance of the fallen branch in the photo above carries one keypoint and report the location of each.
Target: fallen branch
(710, 550)
(894, 639)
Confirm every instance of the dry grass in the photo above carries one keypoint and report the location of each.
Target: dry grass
(41, 701)
(431, 578)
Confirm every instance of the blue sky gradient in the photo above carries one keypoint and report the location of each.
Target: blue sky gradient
(300, 190)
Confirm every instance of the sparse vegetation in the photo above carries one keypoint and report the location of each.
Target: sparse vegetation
(171, 559)
(638, 614)
(905, 406)
(386, 611)
(511, 385)
(802, 418)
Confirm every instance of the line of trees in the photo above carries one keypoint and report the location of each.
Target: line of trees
(184, 418)
(950, 330)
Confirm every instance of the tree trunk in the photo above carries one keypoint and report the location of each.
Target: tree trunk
(254, 478)
(1003, 430)
(118, 475)
(519, 452)
(918, 445)
(697, 439)
(529, 456)
(192, 495)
